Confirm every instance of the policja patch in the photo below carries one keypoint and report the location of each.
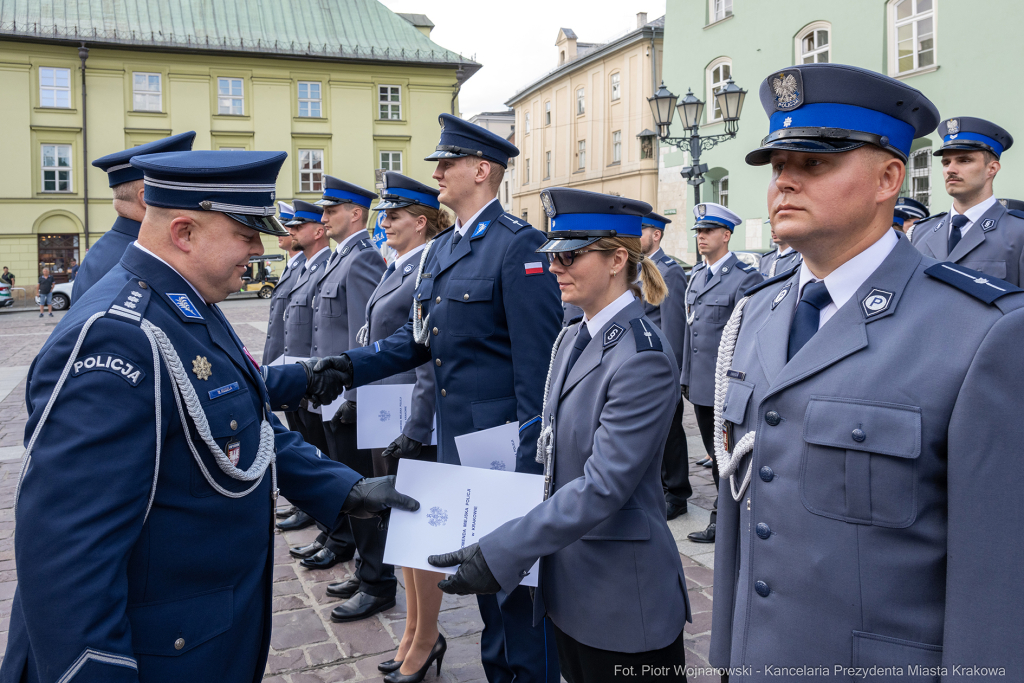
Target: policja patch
(118, 365)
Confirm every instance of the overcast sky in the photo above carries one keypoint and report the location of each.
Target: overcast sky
(515, 41)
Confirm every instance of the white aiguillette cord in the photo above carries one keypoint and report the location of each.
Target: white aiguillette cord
(420, 332)
(546, 440)
(728, 464)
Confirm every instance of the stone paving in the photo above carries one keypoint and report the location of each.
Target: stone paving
(306, 647)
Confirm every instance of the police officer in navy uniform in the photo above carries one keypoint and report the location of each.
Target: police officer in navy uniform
(129, 203)
(716, 285)
(908, 211)
(153, 458)
(610, 576)
(486, 314)
(864, 489)
(978, 232)
(670, 317)
(779, 261)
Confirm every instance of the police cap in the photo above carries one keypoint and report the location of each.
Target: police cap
(579, 218)
(305, 213)
(337, 191)
(118, 166)
(907, 209)
(400, 191)
(286, 211)
(711, 215)
(653, 220)
(967, 132)
(464, 139)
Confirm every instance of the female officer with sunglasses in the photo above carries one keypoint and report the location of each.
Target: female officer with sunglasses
(610, 576)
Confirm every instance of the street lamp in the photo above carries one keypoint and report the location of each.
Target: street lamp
(729, 100)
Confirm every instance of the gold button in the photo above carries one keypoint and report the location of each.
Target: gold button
(435, 331)
(465, 297)
(437, 300)
(179, 643)
(444, 393)
(234, 424)
(438, 361)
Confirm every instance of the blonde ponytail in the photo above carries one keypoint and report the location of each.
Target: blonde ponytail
(650, 285)
(654, 288)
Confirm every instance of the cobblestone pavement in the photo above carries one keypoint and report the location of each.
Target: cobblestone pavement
(306, 647)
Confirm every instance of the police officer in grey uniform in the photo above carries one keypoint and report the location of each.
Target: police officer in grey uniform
(782, 259)
(872, 513)
(978, 232)
(715, 287)
(670, 317)
(908, 211)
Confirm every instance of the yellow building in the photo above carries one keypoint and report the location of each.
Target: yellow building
(587, 123)
(346, 87)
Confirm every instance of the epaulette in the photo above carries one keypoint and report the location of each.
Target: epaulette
(645, 335)
(1015, 212)
(512, 223)
(364, 244)
(698, 266)
(929, 219)
(131, 302)
(669, 261)
(745, 267)
(977, 284)
(772, 280)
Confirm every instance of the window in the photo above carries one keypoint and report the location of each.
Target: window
(309, 99)
(506, 192)
(720, 9)
(146, 93)
(581, 155)
(719, 72)
(391, 161)
(526, 121)
(527, 172)
(616, 92)
(56, 253)
(311, 170)
(54, 87)
(56, 168)
(547, 113)
(617, 147)
(914, 21)
(229, 97)
(390, 100)
(547, 165)
(581, 106)
(813, 43)
(526, 215)
(919, 177)
(723, 191)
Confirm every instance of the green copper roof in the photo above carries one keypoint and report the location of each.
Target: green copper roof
(318, 29)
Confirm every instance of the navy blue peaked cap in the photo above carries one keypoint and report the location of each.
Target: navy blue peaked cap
(240, 184)
(967, 132)
(464, 139)
(118, 165)
(838, 108)
(907, 208)
(287, 211)
(305, 213)
(654, 220)
(337, 191)
(579, 217)
(400, 191)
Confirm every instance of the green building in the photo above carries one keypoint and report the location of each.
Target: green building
(956, 52)
(346, 87)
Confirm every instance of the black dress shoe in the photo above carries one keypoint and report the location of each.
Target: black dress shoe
(360, 606)
(706, 536)
(325, 559)
(285, 513)
(707, 462)
(676, 510)
(300, 520)
(303, 551)
(346, 589)
(389, 666)
(436, 653)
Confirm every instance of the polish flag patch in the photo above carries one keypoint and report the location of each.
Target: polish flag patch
(534, 268)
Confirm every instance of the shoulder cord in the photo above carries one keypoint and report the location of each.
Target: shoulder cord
(363, 335)
(910, 231)
(546, 440)
(728, 465)
(771, 272)
(686, 300)
(420, 333)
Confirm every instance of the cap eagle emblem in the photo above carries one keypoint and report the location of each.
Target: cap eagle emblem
(787, 94)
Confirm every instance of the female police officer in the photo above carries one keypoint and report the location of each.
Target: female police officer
(611, 580)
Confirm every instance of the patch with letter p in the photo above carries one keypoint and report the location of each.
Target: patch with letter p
(877, 301)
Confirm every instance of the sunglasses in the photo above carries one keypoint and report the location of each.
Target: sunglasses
(566, 258)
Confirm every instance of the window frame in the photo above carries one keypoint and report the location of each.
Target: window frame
(893, 25)
(616, 146)
(310, 101)
(709, 86)
(389, 102)
(526, 122)
(713, 15)
(547, 165)
(615, 86)
(547, 113)
(526, 172)
(311, 185)
(54, 89)
(722, 190)
(148, 93)
(230, 96)
(914, 173)
(69, 169)
(581, 155)
(393, 154)
(581, 100)
(811, 29)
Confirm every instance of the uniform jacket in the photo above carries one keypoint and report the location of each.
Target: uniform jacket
(610, 571)
(340, 296)
(570, 312)
(185, 593)
(298, 309)
(104, 255)
(781, 265)
(274, 346)
(387, 311)
(491, 329)
(883, 485)
(711, 304)
(994, 244)
(670, 316)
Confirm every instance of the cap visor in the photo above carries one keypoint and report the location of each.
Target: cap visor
(762, 155)
(441, 154)
(703, 225)
(331, 202)
(968, 146)
(556, 245)
(386, 204)
(269, 225)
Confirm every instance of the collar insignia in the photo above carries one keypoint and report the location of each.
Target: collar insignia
(988, 224)
(613, 334)
(876, 302)
(185, 305)
(480, 229)
(407, 269)
(201, 368)
(781, 295)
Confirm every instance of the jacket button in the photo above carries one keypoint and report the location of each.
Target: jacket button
(437, 300)
(762, 589)
(767, 473)
(179, 643)
(234, 424)
(316, 329)
(444, 393)
(772, 418)
(143, 284)
(284, 407)
(435, 331)
(763, 531)
(859, 435)
(438, 362)
(465, 297)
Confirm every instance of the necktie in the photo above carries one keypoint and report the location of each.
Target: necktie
(958, 221)
(582, 339)
(334, 255)
(387, 273)
(808, 316)
(455, 239)
(707, 278)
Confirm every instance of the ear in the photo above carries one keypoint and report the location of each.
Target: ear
(619, 259)
(140, 196)
(421, 223)
(483, 171)
(993, 168)
(183, 232)
(890, 179)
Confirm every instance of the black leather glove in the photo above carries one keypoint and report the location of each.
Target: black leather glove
(474, 576)
(686, 392)
(403, 447)
(372, 496)
(346, 414)
(326, 377)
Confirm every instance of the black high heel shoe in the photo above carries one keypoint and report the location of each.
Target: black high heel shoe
(437, 652)
(389, 666)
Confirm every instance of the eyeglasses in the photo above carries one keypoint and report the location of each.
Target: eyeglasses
(566, 258)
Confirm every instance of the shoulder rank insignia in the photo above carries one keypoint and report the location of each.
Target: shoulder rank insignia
(668, 260)
(975, 283)
(364, 244)
(131, 302)
(746, 268)
(511, 222)
(644, 334)
(201, 368)
(1015, 212)
(185, 305)
(778, 278)
(612, 334)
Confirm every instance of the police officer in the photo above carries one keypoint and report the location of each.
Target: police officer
(978, 232)
(670, 317)
(129, 203)
(863, 481)
(783, 259)
(153, 457)
(716, 285)
(908, 212)
(487, 311)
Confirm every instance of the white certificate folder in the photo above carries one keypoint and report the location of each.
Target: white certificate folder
(458, 506)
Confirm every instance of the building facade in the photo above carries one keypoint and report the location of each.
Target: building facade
(587, 124)
(344, 86)
(944, 48)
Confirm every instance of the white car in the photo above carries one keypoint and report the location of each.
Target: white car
(62, 296)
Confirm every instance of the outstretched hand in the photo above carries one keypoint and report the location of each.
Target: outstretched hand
(326, 378)
(474, 576)
(372, 496)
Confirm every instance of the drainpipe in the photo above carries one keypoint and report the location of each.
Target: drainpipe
(83, 54)
(458, 87)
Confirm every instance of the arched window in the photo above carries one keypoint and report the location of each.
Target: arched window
(813, 44)
(912, 35)
(719, 71)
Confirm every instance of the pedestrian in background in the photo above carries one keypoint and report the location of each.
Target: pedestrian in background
(7, 277)
(45, 296)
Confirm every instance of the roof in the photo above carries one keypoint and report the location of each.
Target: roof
(346, 30)
(417, 19)
(569, 33)
(508, 112)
